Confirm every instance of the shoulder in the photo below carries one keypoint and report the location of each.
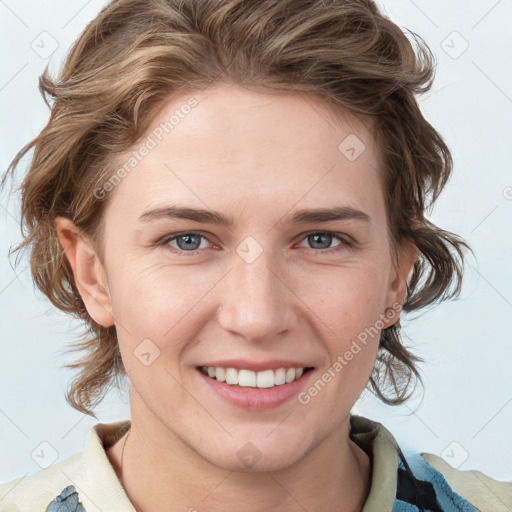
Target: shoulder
(34, 492)
(453, 489)
(412, 480)
(482, 491)
(82, 480)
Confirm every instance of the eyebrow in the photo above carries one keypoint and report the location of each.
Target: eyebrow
(304, 216)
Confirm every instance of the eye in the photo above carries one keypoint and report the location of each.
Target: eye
(320, 239)
(188, 242)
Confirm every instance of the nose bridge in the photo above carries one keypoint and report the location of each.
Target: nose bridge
(258, 303)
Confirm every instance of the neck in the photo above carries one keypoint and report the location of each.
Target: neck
(158, 468)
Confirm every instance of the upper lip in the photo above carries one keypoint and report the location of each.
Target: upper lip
(256, 366)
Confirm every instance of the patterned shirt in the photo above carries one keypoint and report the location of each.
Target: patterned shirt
(400, 482)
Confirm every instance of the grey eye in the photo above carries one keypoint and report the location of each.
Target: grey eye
(191, 241)
(320, 239)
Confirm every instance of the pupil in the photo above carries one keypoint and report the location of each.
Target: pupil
(188, 238)
(315, 237)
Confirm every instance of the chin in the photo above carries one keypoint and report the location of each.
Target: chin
(246, 456)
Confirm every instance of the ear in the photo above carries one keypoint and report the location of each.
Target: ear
(90, 276)
(399, 276)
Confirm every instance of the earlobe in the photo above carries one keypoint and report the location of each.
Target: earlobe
(399, 279)
(89, 274)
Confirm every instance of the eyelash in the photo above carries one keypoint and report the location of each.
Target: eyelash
(346, 244)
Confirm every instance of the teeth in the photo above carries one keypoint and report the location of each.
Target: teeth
(248, 378)
(231, 376)
(218, 373)
(265, 379)
(280, 377)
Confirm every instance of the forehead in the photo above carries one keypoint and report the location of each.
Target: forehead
(228, 144)
(233, 110)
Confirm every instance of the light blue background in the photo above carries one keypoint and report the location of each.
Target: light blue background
(467, 343)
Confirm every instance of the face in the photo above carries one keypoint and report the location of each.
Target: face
(267, 291)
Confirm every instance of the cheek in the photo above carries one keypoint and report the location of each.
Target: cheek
(160, 303)
(146, 290)
(346, 311)
(352, 310)
(163, 302)
(347, 298)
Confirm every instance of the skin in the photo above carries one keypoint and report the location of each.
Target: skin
(256, 158)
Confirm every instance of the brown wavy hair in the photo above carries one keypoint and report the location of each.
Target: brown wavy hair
(137, 53)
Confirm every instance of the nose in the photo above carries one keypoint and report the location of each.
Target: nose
(258, 303)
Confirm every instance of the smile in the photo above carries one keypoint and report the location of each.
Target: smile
(249, 378)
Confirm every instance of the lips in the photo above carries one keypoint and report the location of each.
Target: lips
(255, 398)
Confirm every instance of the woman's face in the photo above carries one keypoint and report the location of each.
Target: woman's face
(265, 292)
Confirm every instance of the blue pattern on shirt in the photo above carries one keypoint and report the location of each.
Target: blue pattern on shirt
(424, 489)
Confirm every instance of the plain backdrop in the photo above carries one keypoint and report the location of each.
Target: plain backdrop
(464, 413)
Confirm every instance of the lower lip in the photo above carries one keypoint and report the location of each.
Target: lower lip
(257, 399)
